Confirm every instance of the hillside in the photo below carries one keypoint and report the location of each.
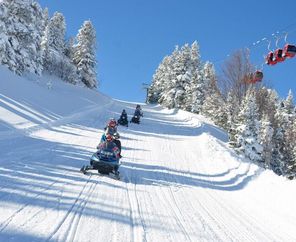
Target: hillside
(180, 181)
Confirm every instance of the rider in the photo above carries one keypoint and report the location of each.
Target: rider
(123, 114)
(123, 117)
(111, 129)
(110, 144)
(138, 113)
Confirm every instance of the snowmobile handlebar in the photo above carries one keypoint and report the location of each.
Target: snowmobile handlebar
(116, 136)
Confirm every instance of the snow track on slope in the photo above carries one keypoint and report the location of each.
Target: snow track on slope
(179, 182)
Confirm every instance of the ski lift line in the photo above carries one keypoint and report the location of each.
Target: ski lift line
(258, 44)
(283, 31)
(273, 57)
(264, 39)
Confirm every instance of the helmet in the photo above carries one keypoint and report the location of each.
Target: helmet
(112, 123)
(109, 137)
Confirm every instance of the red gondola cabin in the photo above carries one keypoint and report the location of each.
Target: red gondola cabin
(289, 51)
(278, 55)
(270, 60)
(257, 76)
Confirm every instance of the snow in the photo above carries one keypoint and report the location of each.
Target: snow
(180, 181)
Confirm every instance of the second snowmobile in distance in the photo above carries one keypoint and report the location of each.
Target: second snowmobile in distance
(123, 120)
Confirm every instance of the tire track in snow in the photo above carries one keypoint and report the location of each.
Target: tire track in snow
(198, 209)
(4, 224)
(170, 198)
(78, 207)
(74, 224)
(138, 228)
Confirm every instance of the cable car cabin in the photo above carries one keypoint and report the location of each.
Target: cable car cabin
(289, 51)
(278, 55)
(258, 76)
(255, 77)
(270, 59)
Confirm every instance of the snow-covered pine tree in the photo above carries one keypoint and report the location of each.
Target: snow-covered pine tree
(266, 134)
(160, 78)
(183, 73)
(292, 166)
(205, 86)
(53, 42)
(23, 29)
(280, 126)
(172, 86)
(195, 93)
(213, 103)
(55, 60)
(214, 107)
(289, 135)
(84, 54)
(232, 109)
(248, 129)
(4, 44)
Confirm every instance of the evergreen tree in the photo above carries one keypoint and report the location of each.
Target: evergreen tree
(84, 54)
(289, 141)
(53, 42)
(214, 107)
(4, 44)
(266, 140)
(160, 78)
(196, 93)
(205, 87)
(183, 69)
(56, 55)
(23, 30)
(278, 154)
(172, 85)
(232, 110)
(248, 128)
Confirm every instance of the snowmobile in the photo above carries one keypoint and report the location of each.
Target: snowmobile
(123, 121)
(105, 161)
(135, 119)
(138, 113)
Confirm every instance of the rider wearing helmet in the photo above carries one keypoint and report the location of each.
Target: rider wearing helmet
(138, 111)
(111, 130)
(123, 120)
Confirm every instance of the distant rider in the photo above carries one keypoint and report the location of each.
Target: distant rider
(123, 118)
(138, 111)
(123, 115)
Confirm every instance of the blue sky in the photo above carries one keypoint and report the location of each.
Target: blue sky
(134, 35)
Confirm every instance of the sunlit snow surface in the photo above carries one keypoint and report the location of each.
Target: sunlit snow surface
(179, 180)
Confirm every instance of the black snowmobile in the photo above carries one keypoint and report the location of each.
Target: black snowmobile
(123, 120)
(136, 118)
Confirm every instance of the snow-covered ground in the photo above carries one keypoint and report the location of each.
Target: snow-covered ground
(180, 181)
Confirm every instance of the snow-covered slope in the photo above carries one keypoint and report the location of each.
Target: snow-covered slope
(180, 182)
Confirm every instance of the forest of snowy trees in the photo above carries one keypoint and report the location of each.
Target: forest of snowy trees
(33, 42)
(261, 126)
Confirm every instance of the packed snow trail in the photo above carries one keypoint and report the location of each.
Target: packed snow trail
(180, 182)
